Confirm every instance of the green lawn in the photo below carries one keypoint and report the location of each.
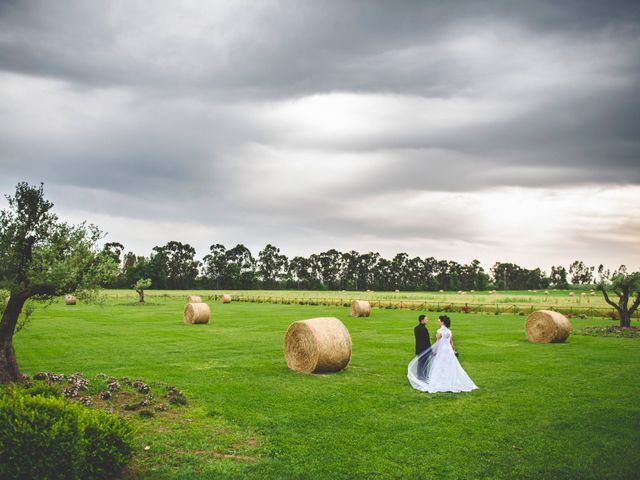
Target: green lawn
(542, 411)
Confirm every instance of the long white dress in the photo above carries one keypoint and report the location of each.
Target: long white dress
(437, 369)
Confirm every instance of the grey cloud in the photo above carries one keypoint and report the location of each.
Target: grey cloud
(180, 147)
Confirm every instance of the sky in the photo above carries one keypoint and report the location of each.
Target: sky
(496, 130)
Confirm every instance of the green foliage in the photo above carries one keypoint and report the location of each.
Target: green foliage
(142, 284)
(52, 438)
(40, 252)
(39, 387)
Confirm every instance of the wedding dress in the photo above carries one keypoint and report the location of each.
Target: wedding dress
(437, 369)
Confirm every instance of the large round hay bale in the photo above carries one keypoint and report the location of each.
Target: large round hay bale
(69, 300)
(360, 308)
(547, 326)
(194, 299)
(225, 298)
(196, 313)
(317, 345)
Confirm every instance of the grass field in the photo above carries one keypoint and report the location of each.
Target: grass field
(542, 411)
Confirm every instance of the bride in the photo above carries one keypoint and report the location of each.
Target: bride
(439, 370)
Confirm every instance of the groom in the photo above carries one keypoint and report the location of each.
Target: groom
(422, 343)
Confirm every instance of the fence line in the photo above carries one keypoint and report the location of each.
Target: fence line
(421, 305)
(433, 306)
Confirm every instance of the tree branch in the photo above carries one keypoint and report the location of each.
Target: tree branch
(635, 305)
(606, 298)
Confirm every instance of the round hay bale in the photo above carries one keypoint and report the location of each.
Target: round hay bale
(69, 300)
(317, 345)
(360, 308)
(225, 298)
(571, 294)
(196, 313)
(194, 299)
(547, 326)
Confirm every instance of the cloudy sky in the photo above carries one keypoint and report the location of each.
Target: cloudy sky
(497, 130)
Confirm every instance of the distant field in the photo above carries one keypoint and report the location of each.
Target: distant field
(581, 302)
(563, 411)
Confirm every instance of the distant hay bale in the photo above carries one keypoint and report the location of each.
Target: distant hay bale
(547, 326)
(317, 345)
(441, 291)
(472, 291)
(571, 294)
(546, 292)
(225, 298)
(593, 293)
(491, 292)
(360, 308)
(397, 291)
(69, 300)
(194, 299)
(196, 313)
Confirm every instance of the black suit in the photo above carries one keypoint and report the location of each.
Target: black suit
(422, 343)
(422, 338)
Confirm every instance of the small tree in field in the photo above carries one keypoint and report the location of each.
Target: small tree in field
(626, 286)
(140, 286)
(41, 257)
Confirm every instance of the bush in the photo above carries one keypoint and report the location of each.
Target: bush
(53, 438)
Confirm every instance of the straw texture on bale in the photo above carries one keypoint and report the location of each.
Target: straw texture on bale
(196, 313)
(69, 300)
(194, 299)
(225, 298)
(547, 326)
(317, 345)
(360, 308)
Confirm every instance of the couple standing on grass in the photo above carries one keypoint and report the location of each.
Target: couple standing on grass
(436, 368)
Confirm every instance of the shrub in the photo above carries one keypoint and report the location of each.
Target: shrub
(38, 387)
(53, 438)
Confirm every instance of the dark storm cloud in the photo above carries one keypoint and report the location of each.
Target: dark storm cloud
(296, 116)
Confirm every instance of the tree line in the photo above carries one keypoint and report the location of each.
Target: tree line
(174, 266)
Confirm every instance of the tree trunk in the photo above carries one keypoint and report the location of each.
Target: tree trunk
(8, 364)
(141, 293)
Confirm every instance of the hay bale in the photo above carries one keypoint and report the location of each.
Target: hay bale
(547, 326)
(69, 300)
(360, 308)
(194, 299)
(196, 313)
(571, 294)
(317, 345)
(225, 298)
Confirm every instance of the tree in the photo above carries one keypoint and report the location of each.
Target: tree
(140, 286)
(41, 257)
(271, 265)
(215, 265)
(115, 250)
(580, 273)
(558, 277)
(240, 271)
(181, 267)
(625, 286)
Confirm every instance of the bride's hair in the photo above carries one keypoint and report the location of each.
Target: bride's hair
(446, 320)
